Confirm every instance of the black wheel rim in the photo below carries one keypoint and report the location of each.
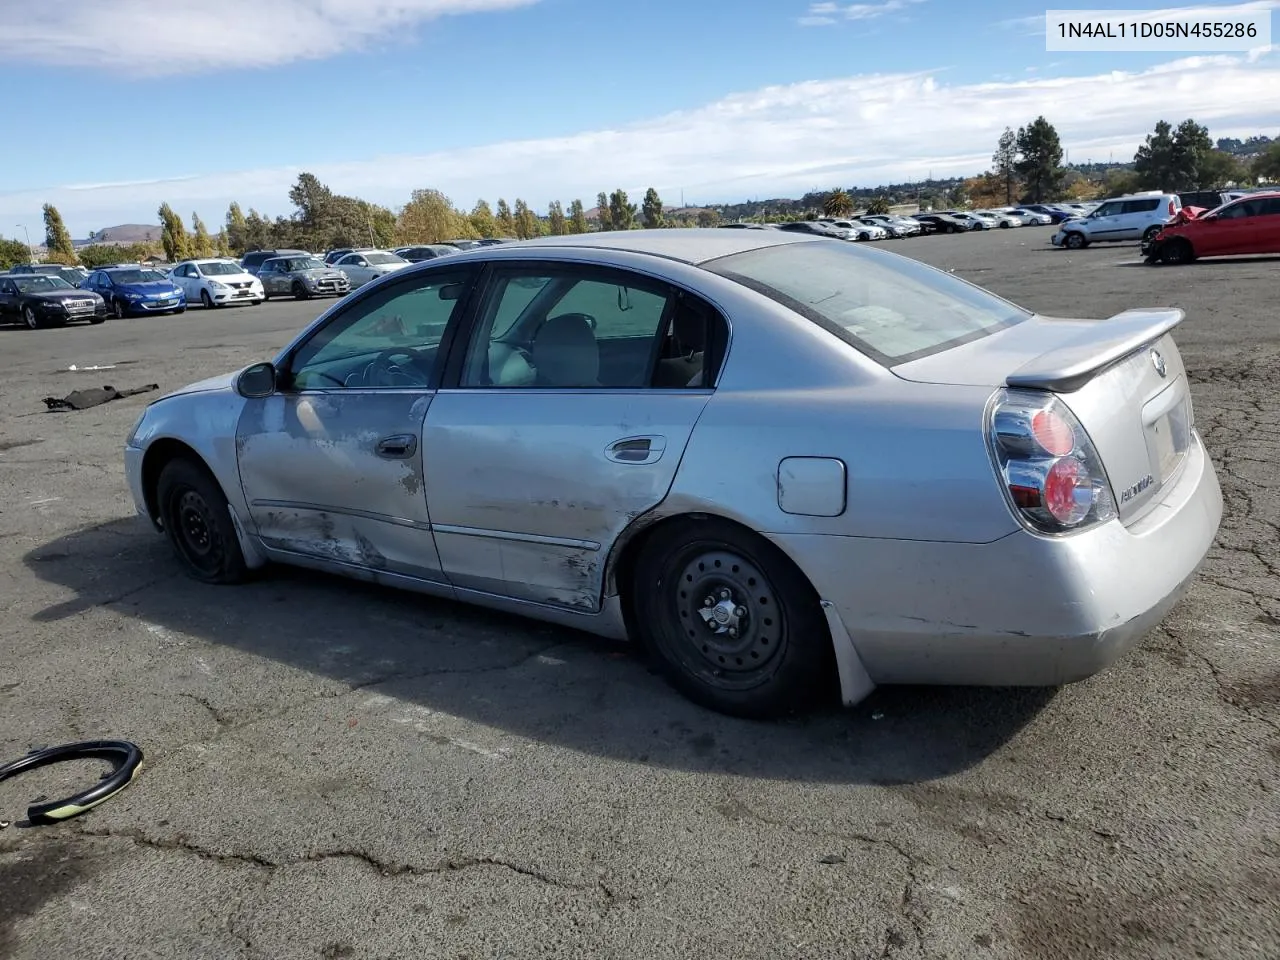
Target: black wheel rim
(727, 626)
(195, 531)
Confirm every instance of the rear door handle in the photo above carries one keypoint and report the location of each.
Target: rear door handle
(636, 450)
(400, 447)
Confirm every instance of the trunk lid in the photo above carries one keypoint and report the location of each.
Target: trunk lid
(1122, 377)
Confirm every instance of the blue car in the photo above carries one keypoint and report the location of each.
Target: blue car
(134, 290)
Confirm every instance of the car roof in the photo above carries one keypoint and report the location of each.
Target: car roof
(693, 245)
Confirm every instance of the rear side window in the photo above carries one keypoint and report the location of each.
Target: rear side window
(1141, 206)
(889, 307)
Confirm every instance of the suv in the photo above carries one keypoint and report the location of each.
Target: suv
(1135, 217)
(254, 259)
(302, 277)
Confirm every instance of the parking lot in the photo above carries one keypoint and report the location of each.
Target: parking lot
(338, 771)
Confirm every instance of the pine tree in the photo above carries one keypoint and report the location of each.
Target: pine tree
(577, 218)
(201, 243)
(173, 235)
(505, 223)
(602, 210)
(57, 239)
(652, 209)
(237, 229)
(526, 222)
(555, 219)
(482, 221)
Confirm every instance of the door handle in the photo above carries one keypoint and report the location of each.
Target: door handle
(400, 447)
(636, 450)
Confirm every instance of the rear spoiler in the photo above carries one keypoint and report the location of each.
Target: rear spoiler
(1099, 346)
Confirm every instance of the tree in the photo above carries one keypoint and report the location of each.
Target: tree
(100, 254)
(505, 223)
(1177, 159)
(526, 221)
(57, 240)
(12, 253)
(878, 206)
(708, 218)
(555, 219)
(1039, 160)
(482, 221)
(221, 245)
(201, 242)
(838, 203)
(622, 213)
(652, 209)
(173, 235)
(237, 229)
(430, 217)
(602, 211)
(1266, 166)
(258, 232)
(1005, 162)
(1217, 168)
(577, 218)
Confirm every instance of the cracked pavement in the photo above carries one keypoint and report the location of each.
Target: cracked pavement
(335, 770)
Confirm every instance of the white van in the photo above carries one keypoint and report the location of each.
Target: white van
(1138, 216)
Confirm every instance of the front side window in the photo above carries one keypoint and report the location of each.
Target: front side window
(890, 308)
(386, 341)
(1107, 210)
(567, 327)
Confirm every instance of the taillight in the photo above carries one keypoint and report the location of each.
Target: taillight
(1171, 210)
(1051, 474)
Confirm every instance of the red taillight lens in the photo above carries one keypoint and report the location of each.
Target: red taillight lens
(1068, 491)
(1053, 433)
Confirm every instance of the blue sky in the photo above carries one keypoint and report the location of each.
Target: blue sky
(199, 103)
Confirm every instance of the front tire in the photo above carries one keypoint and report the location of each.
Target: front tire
(1177, 251)
(206, 300)
(300, 292)
(1075, 241)
(1151, 234)
(30, 319)
(95, 320)
(197, 521)
(733, 623)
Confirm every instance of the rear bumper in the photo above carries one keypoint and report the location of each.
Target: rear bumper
(1020, 611)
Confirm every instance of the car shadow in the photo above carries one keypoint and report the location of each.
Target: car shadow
(546, 683)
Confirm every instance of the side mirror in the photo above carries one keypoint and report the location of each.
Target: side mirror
(257, 381)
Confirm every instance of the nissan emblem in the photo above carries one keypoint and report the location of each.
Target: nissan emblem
(1157, 361)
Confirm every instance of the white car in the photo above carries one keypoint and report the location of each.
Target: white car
(1003, 218)
(365, 265)
(1033, 217)
(216, 283)
(907, 226)
(858, 230)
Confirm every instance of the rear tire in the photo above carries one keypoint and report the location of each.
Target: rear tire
(778, 660)
(197, 521)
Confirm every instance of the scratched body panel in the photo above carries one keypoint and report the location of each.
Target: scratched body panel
(315, 485)
(525, 499)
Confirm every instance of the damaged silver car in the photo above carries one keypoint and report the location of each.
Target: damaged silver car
(784, 465)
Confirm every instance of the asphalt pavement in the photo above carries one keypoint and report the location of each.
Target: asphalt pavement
(341, 771)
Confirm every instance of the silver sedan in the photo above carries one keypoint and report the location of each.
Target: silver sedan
(784, 465)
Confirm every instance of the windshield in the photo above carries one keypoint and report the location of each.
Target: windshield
(136, 276)
(384, 258)
(219, 268)
(303, 263)
(42, 283)
(889, 307)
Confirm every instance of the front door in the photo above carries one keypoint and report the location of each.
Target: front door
(553, 436)
(332, 464)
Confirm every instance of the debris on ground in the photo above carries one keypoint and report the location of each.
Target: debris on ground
(91, 397)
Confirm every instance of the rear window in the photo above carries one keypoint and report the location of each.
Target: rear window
(889, 307)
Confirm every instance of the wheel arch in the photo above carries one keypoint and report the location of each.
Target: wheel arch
(854, 682)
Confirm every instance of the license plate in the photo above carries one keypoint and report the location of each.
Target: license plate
(165, 303)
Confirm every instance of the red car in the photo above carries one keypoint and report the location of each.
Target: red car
(1248, 225)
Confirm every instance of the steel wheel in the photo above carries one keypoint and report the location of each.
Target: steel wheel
(30, 319)
(198, 523)
(733, 623)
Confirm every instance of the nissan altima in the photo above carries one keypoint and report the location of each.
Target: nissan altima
(785, 466)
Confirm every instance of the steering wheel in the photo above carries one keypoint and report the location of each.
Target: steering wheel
(385, 371)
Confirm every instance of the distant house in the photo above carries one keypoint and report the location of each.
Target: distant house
(155, 260)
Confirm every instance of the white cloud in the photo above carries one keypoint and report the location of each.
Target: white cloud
(779, 140)
(822, 14)
(153, 38)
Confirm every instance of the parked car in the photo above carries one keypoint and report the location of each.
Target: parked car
(741, 226)
(1054, 213)
(301, 278)
(494, 241)
(944, 223)
(1246, 226)
(333, 256)
(859, 230)
(1004, 219)
(977, 221)
(426, 251)
(216, 283)
(72, 275)
(43, 300)
(134, 290)
(368, 265)
(818, 228)
(1014, 508)
(252, 260)
(1032, 218)
(1136, 217)
(465, 244)
(905, 226)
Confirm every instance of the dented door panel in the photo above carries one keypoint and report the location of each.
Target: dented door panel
(316, 485)
(529, 489)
